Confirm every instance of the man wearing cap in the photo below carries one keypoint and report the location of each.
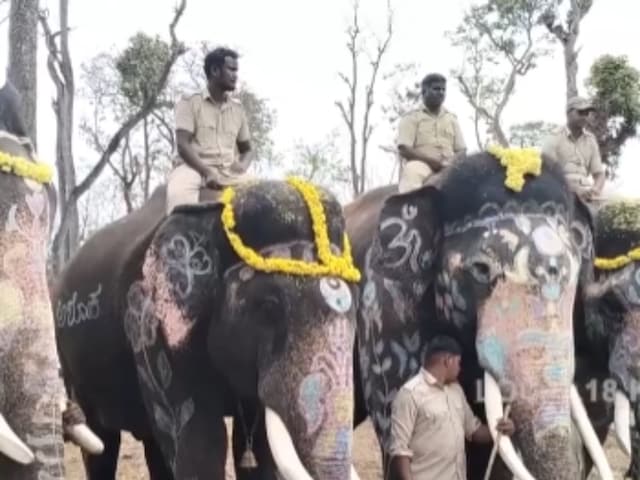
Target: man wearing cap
(578, 152)
(428, 138)
(431, 419)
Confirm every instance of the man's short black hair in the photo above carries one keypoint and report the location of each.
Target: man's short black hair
(432, 78)
(216, 58)
(442, 344)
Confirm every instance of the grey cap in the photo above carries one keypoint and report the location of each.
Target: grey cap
(579, 103)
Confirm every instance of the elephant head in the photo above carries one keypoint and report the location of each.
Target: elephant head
(258, 297)
(502, 262)
(31, 391)
(613, 315)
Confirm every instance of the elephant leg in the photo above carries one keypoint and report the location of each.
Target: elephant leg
(158, 469)
(103, 467)
(252, 418)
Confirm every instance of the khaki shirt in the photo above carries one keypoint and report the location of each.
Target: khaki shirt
(438, 136)
(216, 127)
(429, 424)
(579, 157)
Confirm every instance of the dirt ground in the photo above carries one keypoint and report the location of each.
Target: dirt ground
(367, 459)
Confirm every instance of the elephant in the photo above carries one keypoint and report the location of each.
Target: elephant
(494, 251)
(611, 327)
(32, 397)
(243, 307)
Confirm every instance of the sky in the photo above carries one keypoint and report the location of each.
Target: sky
(292, 51)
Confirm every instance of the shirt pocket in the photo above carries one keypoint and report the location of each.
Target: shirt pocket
(207, 132)
(433, 415)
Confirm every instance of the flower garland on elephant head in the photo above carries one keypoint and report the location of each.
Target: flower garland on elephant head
(328, 264)
(518, 162)
(618, 262)
(22, 167)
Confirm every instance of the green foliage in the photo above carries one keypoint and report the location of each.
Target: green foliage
(615, 87)
(531, 134)
(140, 66)
(500, 40)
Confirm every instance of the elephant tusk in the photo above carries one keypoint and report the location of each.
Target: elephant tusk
(622, 418)
(12, 446)
(493, 407)
(354, 474)
(82, 436)
(588, 434)
(282, 449)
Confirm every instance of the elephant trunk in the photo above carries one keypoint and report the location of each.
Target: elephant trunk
(308, 394)
(525, 344)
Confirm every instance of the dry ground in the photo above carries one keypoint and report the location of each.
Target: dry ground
(367, 459)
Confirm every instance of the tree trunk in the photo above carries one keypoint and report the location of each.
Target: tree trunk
(23, 58)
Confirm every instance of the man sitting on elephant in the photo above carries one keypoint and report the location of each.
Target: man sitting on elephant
(210, 126)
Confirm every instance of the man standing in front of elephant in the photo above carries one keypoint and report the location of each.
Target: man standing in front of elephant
(431, 418)
(576, 149)
(210, 127)
(429, 138)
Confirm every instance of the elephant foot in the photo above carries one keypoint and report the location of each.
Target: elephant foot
(74, 425)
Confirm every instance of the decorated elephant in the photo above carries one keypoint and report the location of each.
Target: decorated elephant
(493, 252)
(610, 339)
(32, 397)
(236, 307)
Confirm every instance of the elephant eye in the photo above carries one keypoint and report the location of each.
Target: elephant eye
(269, 308)
(481, 271)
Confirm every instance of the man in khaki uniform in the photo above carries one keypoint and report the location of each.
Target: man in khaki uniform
(431, 418)
(210, 128)
(578, 152)
(429, 138)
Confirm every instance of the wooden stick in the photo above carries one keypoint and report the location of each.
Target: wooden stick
(494, 451)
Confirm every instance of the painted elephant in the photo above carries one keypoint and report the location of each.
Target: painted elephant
(499, 269)
(610, 339)
(165, 325)
(32, 396)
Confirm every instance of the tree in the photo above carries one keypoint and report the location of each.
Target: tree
(23, 58)
(66, 237)
(615, 87)
(501, 41)
(567, 34)
(360, 132)
(531, 134)
(320, 163)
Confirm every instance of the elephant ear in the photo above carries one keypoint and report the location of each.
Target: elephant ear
(408, 235)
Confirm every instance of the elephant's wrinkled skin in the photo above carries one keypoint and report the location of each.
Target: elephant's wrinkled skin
(499, 270)
(611, 338)
(31, 390)
(169, 306)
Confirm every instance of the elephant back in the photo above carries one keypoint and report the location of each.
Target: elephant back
(104, 257)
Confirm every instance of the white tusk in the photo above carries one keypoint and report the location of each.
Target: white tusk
(12, 446)
(282, 449)
(82, 436)
(588, 434)
(354, 474)
(622, 418)
(493, 407)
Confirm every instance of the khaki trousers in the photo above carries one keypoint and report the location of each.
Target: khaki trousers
(413, 175)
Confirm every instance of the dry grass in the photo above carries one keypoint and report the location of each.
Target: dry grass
(367, 459)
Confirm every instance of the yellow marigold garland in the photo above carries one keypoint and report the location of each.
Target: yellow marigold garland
(329, 264)
(38, 172)
(518, 162)
(619, 261)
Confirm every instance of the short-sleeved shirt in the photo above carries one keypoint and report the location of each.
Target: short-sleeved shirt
(579, 157)
(429, 424)
(435, 135)
(216, 127)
